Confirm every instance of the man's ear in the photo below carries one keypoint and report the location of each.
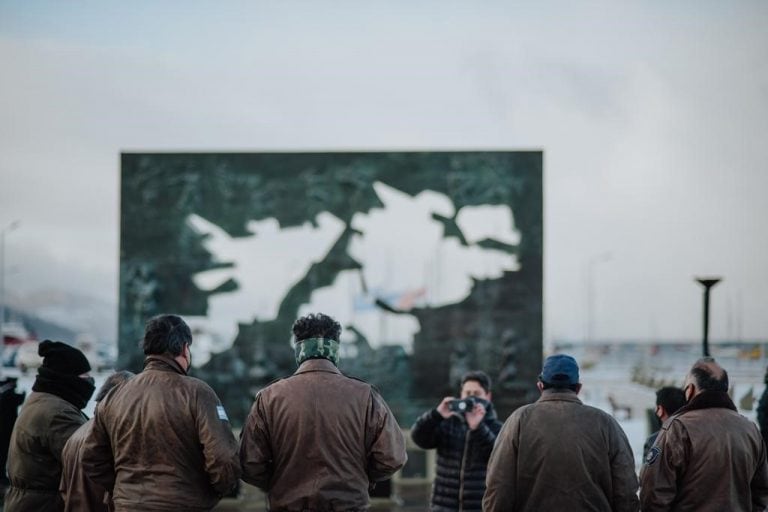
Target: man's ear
(578, 388)
(540, 386)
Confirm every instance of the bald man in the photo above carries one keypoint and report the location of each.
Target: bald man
(707, 456)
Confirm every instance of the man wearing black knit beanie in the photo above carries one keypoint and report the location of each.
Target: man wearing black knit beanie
(50, 415)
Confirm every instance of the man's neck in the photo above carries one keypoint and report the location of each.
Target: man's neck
(182, 362)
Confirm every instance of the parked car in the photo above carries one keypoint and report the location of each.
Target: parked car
(26, 356)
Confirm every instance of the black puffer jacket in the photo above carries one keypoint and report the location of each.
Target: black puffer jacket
(462, 458)
(762, 411)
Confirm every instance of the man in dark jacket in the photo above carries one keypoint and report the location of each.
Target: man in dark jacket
(10, 401)
(317, 440)
(464, 439)
(162, 441)
(559, 454)
(668, 400)
(79, 493)
(48, 418)
(708, 457)
(762, 410)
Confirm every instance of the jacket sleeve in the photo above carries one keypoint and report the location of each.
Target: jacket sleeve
(501, 476)
(483, 439)
(386, 443)
(63, 424)
(255, 448)
(658, 478)
(217, 442)
(97, 460)
(649, 444)
(623, 477)
(426, 432)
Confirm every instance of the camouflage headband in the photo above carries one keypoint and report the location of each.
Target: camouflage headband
(314, 348)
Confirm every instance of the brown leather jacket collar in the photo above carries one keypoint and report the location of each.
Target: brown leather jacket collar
(708, 400)
(317, 365)
(556, 394)
(163, 363)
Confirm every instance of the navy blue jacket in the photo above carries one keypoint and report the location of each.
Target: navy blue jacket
(462, 457)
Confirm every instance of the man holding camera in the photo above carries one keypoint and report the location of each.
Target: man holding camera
(463, 432)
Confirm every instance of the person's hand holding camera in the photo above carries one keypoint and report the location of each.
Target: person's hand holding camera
(444, 408)
(475, 416)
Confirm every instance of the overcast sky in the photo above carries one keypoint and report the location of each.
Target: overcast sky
(653, 119)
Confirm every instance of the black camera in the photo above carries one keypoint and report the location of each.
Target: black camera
(463, 405)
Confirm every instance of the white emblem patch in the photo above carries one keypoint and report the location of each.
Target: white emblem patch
(222, 413)
(652, 456)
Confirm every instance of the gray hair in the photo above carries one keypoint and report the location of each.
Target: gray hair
(112, 381)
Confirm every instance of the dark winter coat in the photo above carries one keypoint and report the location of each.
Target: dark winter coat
(462, 457)
(34, 461)
(10, 401)
(762, 413)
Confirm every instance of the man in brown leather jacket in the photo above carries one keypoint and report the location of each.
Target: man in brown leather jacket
(79, 493)
(707, 457)
(162, 441)
(317, 440)
(559, 454)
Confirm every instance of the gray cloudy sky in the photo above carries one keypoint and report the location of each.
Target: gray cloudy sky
(653, 119)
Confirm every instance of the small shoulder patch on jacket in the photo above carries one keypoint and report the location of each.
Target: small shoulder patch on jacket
(653, 455)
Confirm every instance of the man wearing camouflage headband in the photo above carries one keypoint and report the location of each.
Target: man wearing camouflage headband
(318, 440)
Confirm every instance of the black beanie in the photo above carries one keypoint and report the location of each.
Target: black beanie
(62, 358)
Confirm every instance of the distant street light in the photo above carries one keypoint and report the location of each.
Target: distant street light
(7, 229)
(707, 283)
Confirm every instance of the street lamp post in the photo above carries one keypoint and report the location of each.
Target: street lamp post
(10, 227)
(707, 283)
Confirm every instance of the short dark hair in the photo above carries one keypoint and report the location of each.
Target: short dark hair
(316, 325)
(481, 378)
(166, 334)
(670, 398)
(559, 385)
(113, 380)
(706, 380)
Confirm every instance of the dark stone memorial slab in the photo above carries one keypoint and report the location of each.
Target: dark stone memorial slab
(431, 261)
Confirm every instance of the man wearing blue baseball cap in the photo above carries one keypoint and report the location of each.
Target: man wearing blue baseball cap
(559, 454)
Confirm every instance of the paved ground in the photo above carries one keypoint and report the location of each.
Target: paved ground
(409, 498)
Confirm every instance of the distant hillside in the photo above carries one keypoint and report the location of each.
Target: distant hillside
(65, 314)
(42, 329)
